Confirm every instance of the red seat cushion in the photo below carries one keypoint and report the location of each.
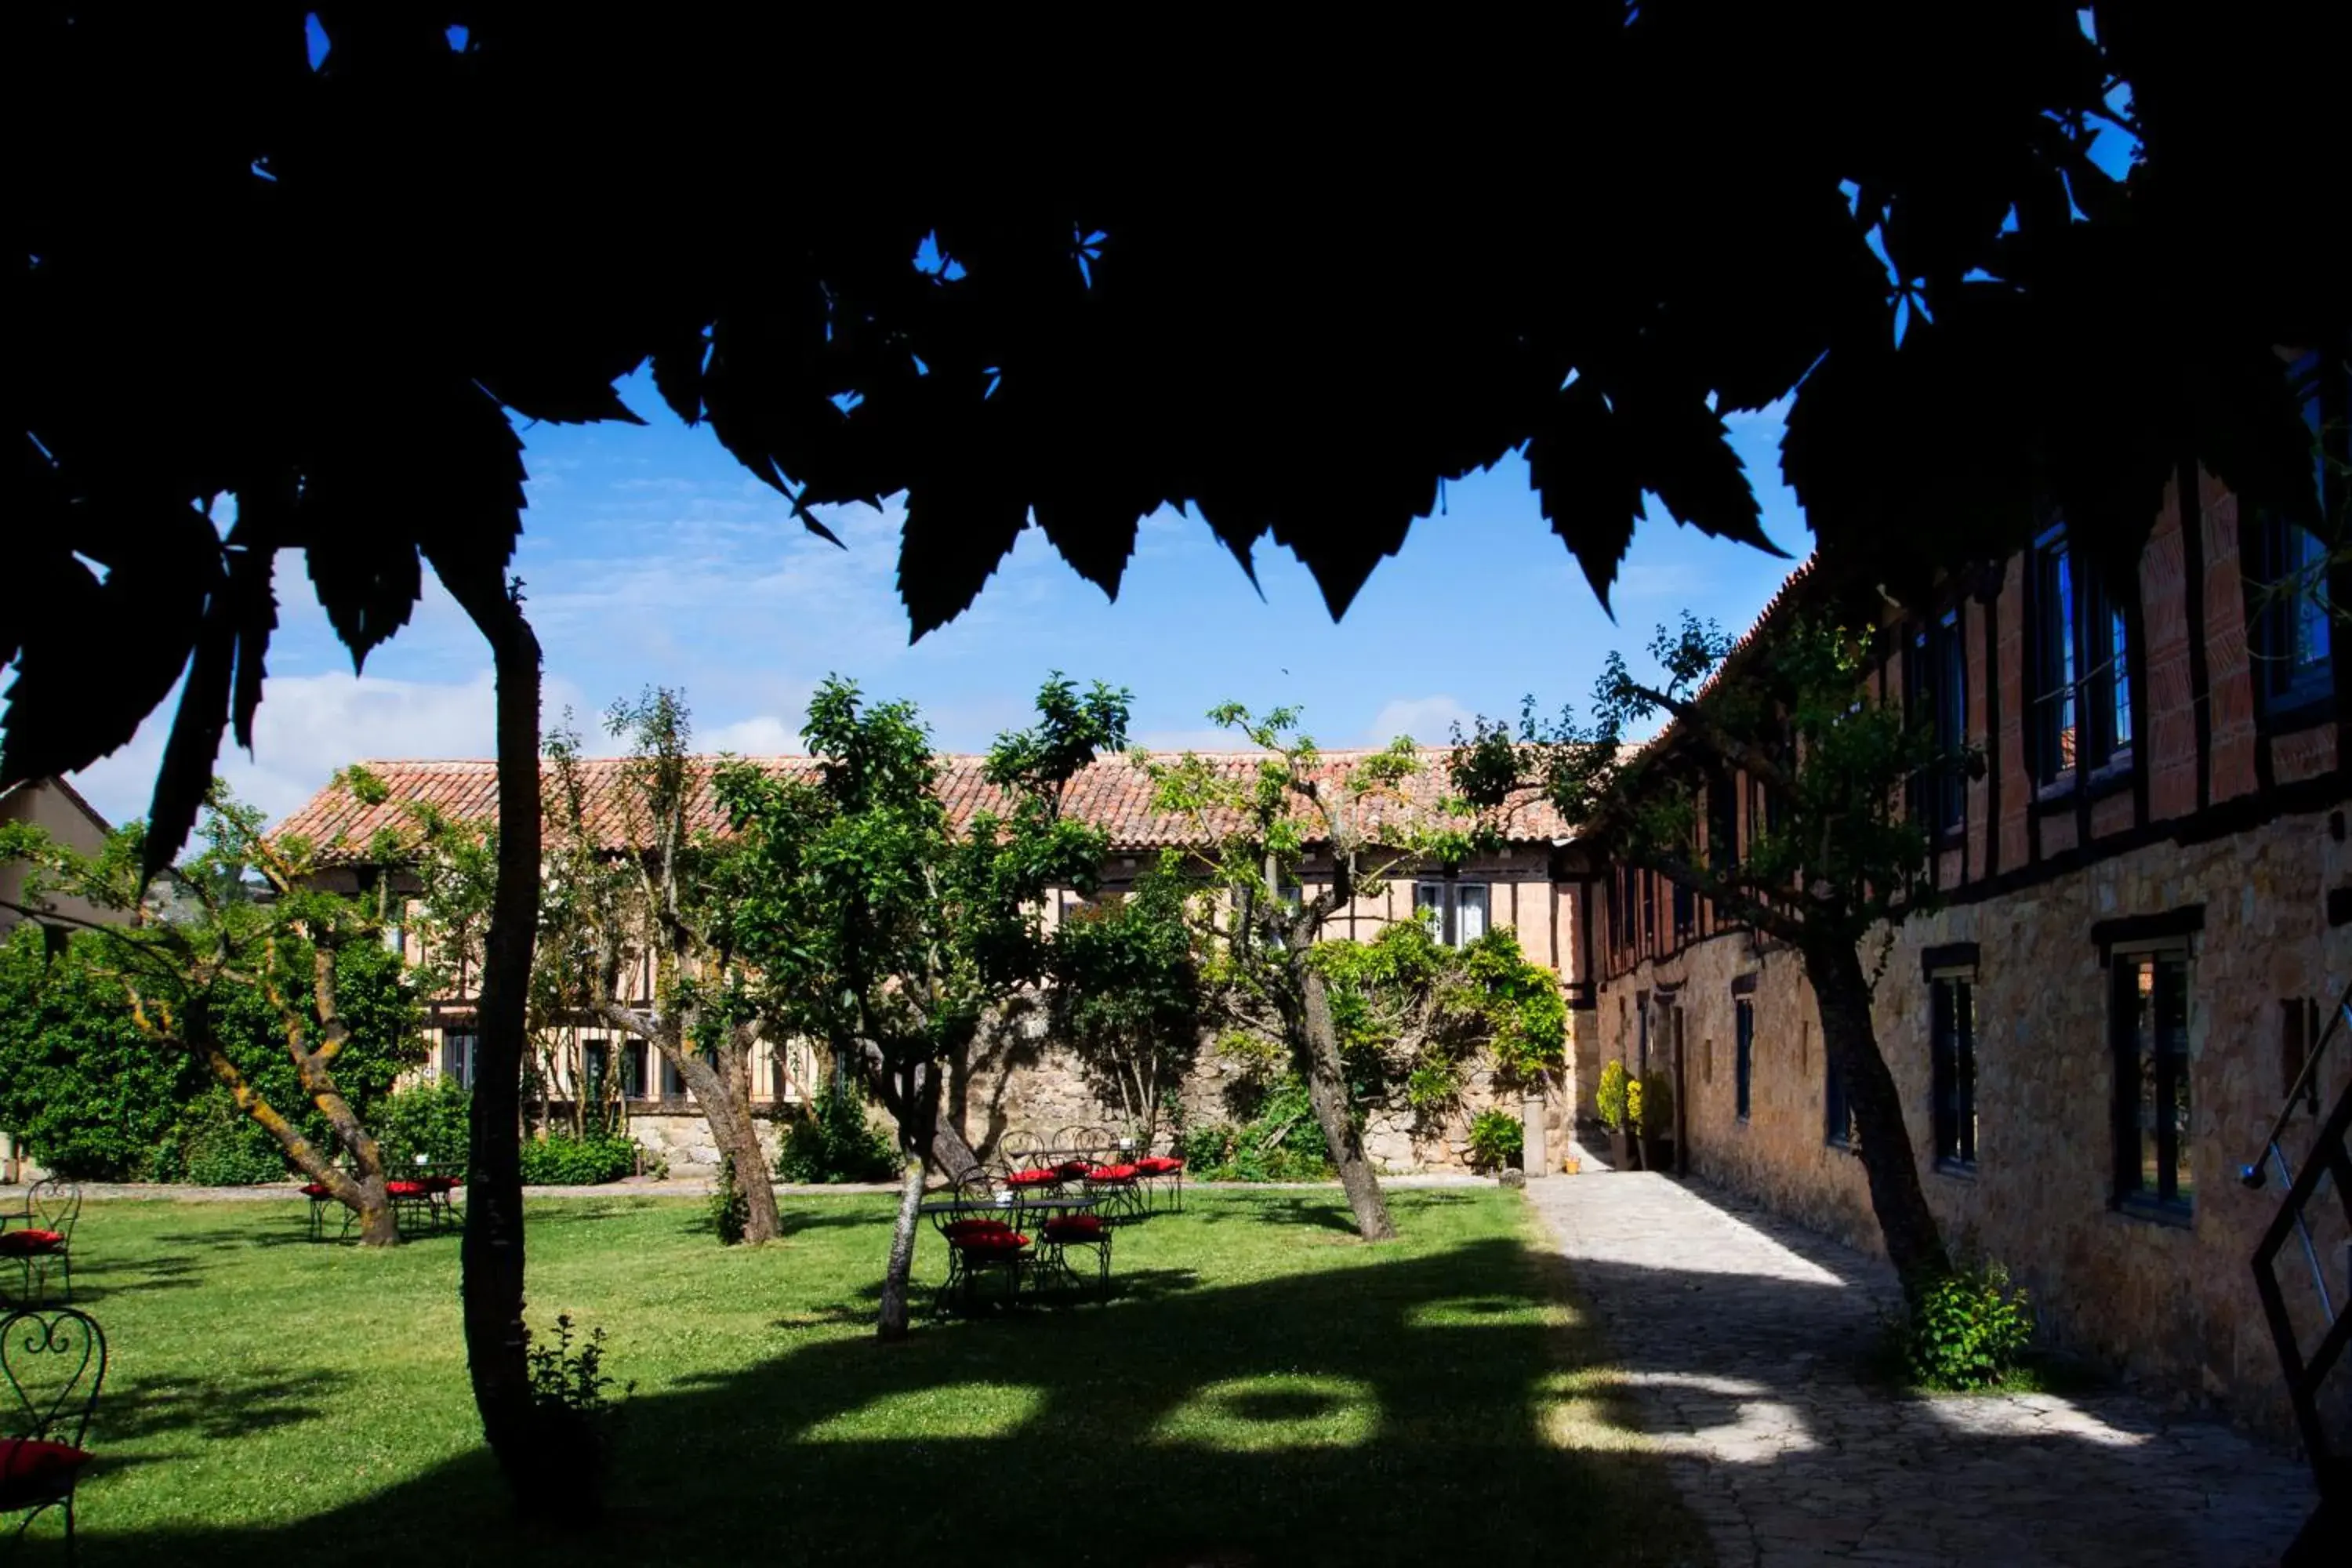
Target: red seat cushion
(1159, 1166)
(1071, 1170)
(437, 1184)
(991, 1244)
(1077, 1227)
(316, 1190)
(405, 1189)
(1034, 1178)
(17, 1243)
(965, 1229)
(1111, 1173)
(29, 1468)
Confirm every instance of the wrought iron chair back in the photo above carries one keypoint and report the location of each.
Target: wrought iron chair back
(54, 1206)
(1022, 1149)
(54, 1360)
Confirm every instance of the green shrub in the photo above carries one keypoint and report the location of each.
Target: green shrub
(832, 1141)
(562, 1161)
(1609, 1097)
(729, 1214)
(429, 1119)
(222, 1148)
(1280, 1141)
(1969, 1330)
(1497, 1140)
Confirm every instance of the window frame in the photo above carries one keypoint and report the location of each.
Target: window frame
(464, 1057)
(2172, 1069)
(1953, 1119)
(1448, 901)
(2082, 662)
(1743, 1057)
(2289, 694)
(1937, 688)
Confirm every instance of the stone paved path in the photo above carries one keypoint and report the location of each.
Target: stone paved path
(1740, 1332)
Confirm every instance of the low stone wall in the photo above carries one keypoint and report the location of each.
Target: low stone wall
(1022, 1082)
(682, 1140)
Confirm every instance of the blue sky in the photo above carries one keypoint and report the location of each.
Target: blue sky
(651, 557)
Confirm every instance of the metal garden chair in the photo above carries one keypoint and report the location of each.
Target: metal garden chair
(54, 1362)
(1112, 1175)
(46, 1241)
(981, 1241)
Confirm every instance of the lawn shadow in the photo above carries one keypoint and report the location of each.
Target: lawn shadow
(214, 1408)
(1334, 1415)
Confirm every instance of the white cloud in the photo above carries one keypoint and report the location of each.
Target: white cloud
(307, 726)
(1430, 720)
(765, 736)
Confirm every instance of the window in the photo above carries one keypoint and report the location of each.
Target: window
(633, 1070)
(2286, 572)
(1722, 824)
(1952, 1047)
(1641, 1037)
(1743, 1053)
(1939, 678)
(2083, 711)
(1456, 910)
(1685, 913)
(1649, 910)
(1837, 1113)
(673, 1083)
(1629, 909)
(457, 1057)
(595, 1067)
(2150, 1019)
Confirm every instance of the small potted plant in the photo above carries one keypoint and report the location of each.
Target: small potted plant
(1613, 1100)
(1653, 1116)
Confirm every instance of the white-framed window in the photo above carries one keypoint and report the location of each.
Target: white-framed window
(457, 1057)
(1456, 910)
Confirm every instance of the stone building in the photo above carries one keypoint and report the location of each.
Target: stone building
(1535, 883)
(2145, 930)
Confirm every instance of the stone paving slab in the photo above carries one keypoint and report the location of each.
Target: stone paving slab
(1742, 1334)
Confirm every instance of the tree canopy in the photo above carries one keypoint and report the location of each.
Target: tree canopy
(321, 267)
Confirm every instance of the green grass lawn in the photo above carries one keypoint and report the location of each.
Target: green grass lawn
(1264, 1390)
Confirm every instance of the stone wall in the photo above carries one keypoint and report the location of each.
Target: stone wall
(682, 1140)
(1021, 1082)
(2173, 1304)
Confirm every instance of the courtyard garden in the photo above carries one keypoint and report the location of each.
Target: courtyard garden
(1262, 1388)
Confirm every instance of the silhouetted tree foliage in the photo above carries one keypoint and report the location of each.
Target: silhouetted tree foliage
(1023, 278)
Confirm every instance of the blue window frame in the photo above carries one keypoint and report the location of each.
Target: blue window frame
(2286, 582)
(2083, 709)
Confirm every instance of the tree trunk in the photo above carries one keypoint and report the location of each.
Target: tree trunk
(891, 1323)
(491, 1284)
(951, 1155)
(1850, 1043)
(918, 1125)
(361, 1192)
(1327, 1090)
(726, 1101)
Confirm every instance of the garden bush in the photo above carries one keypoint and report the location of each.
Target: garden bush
(1496, 1139)
(563, 1160)
(1970, 1332)
(1609, 1097)
(429, 1119)
(220, 1147)
(834, 1142)
(1280, 1141)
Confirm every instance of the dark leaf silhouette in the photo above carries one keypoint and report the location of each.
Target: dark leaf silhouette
(1296, 325)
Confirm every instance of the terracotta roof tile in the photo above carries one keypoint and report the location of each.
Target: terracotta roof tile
(1114, 795)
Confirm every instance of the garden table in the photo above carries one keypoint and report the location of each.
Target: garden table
(1056, 1231)
(427, 1186)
